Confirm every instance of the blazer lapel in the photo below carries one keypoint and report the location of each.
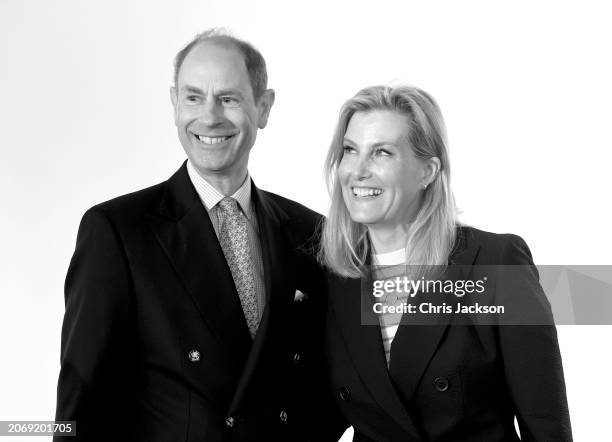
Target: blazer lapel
(414, 345)
(353, 308)
(185, 233)
(271, 220)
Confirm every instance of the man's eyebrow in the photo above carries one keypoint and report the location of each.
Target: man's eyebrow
(228, 91)
(219, 93)
(193, 90)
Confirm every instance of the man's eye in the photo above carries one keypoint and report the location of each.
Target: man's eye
(229, 101)
(192, 98)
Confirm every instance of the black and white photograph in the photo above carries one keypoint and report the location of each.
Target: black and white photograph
(343, 221)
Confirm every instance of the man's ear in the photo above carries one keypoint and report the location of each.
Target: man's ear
(431, 170)
(174, 99)
(264, 104)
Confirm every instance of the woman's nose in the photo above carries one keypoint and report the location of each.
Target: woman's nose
(362, 169)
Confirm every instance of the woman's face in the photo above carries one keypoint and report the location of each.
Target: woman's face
(380, 176)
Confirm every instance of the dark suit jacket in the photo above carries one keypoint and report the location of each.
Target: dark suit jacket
(148, 285)
(450, 382)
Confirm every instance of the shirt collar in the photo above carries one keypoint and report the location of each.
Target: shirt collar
(210, 196)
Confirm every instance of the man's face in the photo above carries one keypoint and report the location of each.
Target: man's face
(215, 112)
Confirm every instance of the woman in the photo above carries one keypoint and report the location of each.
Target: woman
(388, 173)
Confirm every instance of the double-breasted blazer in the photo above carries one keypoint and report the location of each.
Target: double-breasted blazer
(155, 346)
(450, 382)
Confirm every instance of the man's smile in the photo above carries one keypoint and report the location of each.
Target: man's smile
(213, 140)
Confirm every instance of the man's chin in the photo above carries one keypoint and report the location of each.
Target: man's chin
(211, 169)
(210, 162)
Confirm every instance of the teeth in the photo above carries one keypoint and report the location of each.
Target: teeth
(366, 191)
(211, 140)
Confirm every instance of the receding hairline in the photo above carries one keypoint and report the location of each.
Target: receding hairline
(215, 42)
(254, 62)
(222, 41)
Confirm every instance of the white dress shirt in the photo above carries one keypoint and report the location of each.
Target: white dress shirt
(210, 197)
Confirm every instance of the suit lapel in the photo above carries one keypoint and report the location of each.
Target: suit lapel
(353, 308)
(271, 220)
(185, 232)
(414, 345)
(412, 348)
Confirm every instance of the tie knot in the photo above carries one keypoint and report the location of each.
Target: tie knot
(229, 205)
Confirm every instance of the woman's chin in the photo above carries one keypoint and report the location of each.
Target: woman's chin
(367, 219)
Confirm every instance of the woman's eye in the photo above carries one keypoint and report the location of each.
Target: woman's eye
(348, 149)
(382, 152)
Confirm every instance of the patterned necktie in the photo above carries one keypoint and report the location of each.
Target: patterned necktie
(234, 242)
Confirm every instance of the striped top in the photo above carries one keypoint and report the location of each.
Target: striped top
(389, 322)
(210, 198)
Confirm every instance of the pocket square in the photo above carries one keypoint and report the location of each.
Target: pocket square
(299, 296)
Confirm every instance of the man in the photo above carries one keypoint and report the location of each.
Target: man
(194, 307)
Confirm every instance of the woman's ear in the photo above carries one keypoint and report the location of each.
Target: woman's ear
(430, 171)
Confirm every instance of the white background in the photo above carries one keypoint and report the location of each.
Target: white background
(85, 116)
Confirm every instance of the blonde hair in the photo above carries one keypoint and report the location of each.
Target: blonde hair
(345, 246)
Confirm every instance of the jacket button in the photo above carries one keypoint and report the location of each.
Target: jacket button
(283, 416)
(194, 355)
(297, 358)
(345, 393)
(441, 384)
(229, 422)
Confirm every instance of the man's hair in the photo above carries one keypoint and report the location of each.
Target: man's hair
(254, 61)
(345, 244)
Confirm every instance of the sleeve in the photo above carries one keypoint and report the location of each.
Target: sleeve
(95, 386)
(532, 360)
(311, 314)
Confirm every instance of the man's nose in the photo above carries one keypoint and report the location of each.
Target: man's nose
(211, 113)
